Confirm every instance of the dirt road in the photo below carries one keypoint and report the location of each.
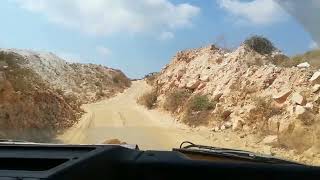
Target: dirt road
(122, 118)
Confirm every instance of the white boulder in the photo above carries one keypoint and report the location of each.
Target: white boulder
(298, 99)
(303, 65)
(315, 77)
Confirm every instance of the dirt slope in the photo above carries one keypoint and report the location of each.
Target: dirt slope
(260, 95)
(41, 94)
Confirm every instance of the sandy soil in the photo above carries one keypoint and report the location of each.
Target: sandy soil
(122, 118)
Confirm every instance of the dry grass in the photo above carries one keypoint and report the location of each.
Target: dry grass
(312, 57)
(198, 110)
(176, 99)
(263, 111)
(151, 78)
(120, 79)
(148, 99)
(284, 61)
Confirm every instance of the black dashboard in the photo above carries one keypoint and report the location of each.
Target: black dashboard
(50, 161)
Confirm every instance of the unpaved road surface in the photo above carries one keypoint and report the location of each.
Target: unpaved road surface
(122, 118)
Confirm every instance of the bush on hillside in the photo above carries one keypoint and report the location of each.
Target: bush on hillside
(176, 99)
(120, 79)
(260, 44)
(200, 103)
(198, 110)
(151, 77)
(148, 99)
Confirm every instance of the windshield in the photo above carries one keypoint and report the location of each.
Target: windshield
(237, 74)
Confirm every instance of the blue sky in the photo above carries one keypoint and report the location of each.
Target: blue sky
(141, 36)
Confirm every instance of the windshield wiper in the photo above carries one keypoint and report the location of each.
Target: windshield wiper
(210, 150)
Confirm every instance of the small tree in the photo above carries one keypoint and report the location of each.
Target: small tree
(260, 44)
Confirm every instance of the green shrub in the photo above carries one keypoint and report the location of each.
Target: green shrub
(260, 44)
(201, 103)
(176, 98)
(148, 99)
(198, 110)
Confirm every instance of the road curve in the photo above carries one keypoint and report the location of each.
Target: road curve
(122, 118)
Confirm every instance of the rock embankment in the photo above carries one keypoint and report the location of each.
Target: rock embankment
(41, 94)
(251, 93)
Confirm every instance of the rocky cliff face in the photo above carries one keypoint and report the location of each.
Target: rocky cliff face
(251, 93)
(41, 94)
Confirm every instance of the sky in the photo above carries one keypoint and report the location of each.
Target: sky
(141, 36)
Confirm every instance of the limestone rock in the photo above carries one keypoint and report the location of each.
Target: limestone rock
(309, 106)
(228, 124)
(217, 96)
(282, 96)
(193, 84)
(204, 78)
(298, 99)
(223, 127)
(201, 86)
(315, 77)
(316, 88)
(273, 125)
(3, 65)
(182, 85)
(237, 123)
(285, 125)
(300, 111)
(270, 140)
(303, 65)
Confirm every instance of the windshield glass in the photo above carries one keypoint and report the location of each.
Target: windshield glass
(238, 74)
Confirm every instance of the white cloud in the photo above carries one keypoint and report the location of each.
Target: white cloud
(313, 45)
(104, 17)
(104, 51)
(166, 36)
(255, 12)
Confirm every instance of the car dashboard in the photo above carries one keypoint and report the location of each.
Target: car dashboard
(53, 161)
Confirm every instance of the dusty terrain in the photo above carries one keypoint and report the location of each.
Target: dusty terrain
(122, 118)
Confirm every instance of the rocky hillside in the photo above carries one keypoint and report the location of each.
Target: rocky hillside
(244, 91)
(41, 94)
